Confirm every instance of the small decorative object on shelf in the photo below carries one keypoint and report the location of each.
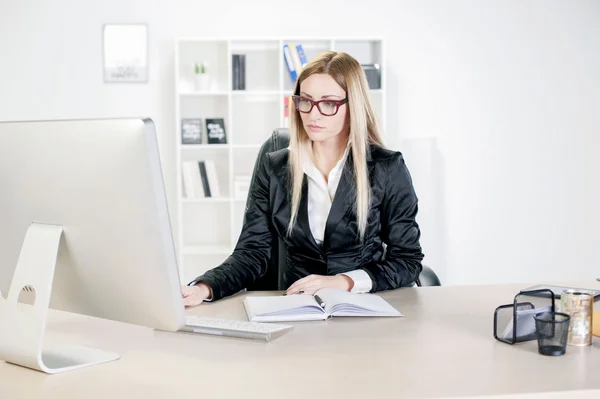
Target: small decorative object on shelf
(215, 131)
(202, 77)
(191, 131)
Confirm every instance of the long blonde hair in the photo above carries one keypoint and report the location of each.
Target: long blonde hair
(364, 130)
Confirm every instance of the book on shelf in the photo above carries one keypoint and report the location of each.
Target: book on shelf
(289, 61)
(215, 131)
(200, 179)
(295, 59)
(238, 72)
(204, 179)
(212, 179)
(324, 304)
(191, 131)
(192, 180)
(301, 55)
(373, 74)
(287, 106)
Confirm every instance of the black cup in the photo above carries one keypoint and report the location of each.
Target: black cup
(552, 330)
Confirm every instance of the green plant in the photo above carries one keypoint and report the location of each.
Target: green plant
(200, 68)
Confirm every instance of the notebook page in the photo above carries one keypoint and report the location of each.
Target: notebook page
(283, 308)
(344, 303)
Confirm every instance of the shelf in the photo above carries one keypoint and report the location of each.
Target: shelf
(205, 200)
(206, 250)
(310, 44)
(254, 45)
(200, 40)
(193, 147)
(233, 92)
(203, 93)
(257, 92)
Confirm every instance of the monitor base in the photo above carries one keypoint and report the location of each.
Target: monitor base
(22, 326)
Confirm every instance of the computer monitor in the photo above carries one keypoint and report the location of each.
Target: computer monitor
(89, 194)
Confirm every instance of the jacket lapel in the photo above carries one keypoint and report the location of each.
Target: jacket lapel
(342, 202)
(279, 162)
(303, 214)
(344, 199)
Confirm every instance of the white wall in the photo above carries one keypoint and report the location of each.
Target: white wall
(506, 92)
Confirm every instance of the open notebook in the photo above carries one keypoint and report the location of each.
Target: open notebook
(306, 307)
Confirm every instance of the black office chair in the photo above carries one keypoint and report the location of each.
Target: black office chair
(273, 279)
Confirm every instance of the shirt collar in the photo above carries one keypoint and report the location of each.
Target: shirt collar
(311, 170)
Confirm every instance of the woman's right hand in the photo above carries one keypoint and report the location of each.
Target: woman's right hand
(196, 294)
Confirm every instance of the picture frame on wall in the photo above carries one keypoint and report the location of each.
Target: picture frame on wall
(125, 53)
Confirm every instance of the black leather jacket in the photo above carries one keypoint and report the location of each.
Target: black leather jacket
(391, 221)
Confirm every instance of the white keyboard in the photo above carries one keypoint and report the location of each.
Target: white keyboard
(235, 328)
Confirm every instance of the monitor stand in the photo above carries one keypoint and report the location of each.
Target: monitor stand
(22, 326)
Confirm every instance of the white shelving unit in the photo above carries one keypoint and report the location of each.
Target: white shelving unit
(208, 228)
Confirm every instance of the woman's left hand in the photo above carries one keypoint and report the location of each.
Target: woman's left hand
(314, 282)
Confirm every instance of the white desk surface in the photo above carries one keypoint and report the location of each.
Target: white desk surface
(443, 347)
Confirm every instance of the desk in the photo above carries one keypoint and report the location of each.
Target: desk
(443, 347)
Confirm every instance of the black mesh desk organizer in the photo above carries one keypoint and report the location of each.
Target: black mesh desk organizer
(514, 322)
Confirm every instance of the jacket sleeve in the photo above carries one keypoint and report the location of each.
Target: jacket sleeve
(399, 231)
(250, 258)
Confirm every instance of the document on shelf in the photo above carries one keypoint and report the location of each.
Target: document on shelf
(324, 304)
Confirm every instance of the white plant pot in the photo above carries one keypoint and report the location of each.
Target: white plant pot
(202, 82)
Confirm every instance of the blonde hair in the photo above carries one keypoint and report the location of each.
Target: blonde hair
(364, 130)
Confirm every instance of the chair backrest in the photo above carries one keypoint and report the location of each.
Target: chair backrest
(273, 278)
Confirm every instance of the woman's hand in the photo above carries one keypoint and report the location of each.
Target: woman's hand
(196, 294)
(314, 282)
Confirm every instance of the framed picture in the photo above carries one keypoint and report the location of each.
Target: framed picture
(215, 131)
(191, 131)
(125, 53)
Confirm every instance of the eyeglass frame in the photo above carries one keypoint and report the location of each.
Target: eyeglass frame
(338, 104)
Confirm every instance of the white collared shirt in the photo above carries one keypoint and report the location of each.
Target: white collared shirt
(320, 198)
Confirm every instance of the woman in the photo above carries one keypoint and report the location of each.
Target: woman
(334, 197)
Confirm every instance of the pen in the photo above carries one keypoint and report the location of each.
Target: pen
(320, 301)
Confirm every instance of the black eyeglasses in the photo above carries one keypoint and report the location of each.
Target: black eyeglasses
(325, 107)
